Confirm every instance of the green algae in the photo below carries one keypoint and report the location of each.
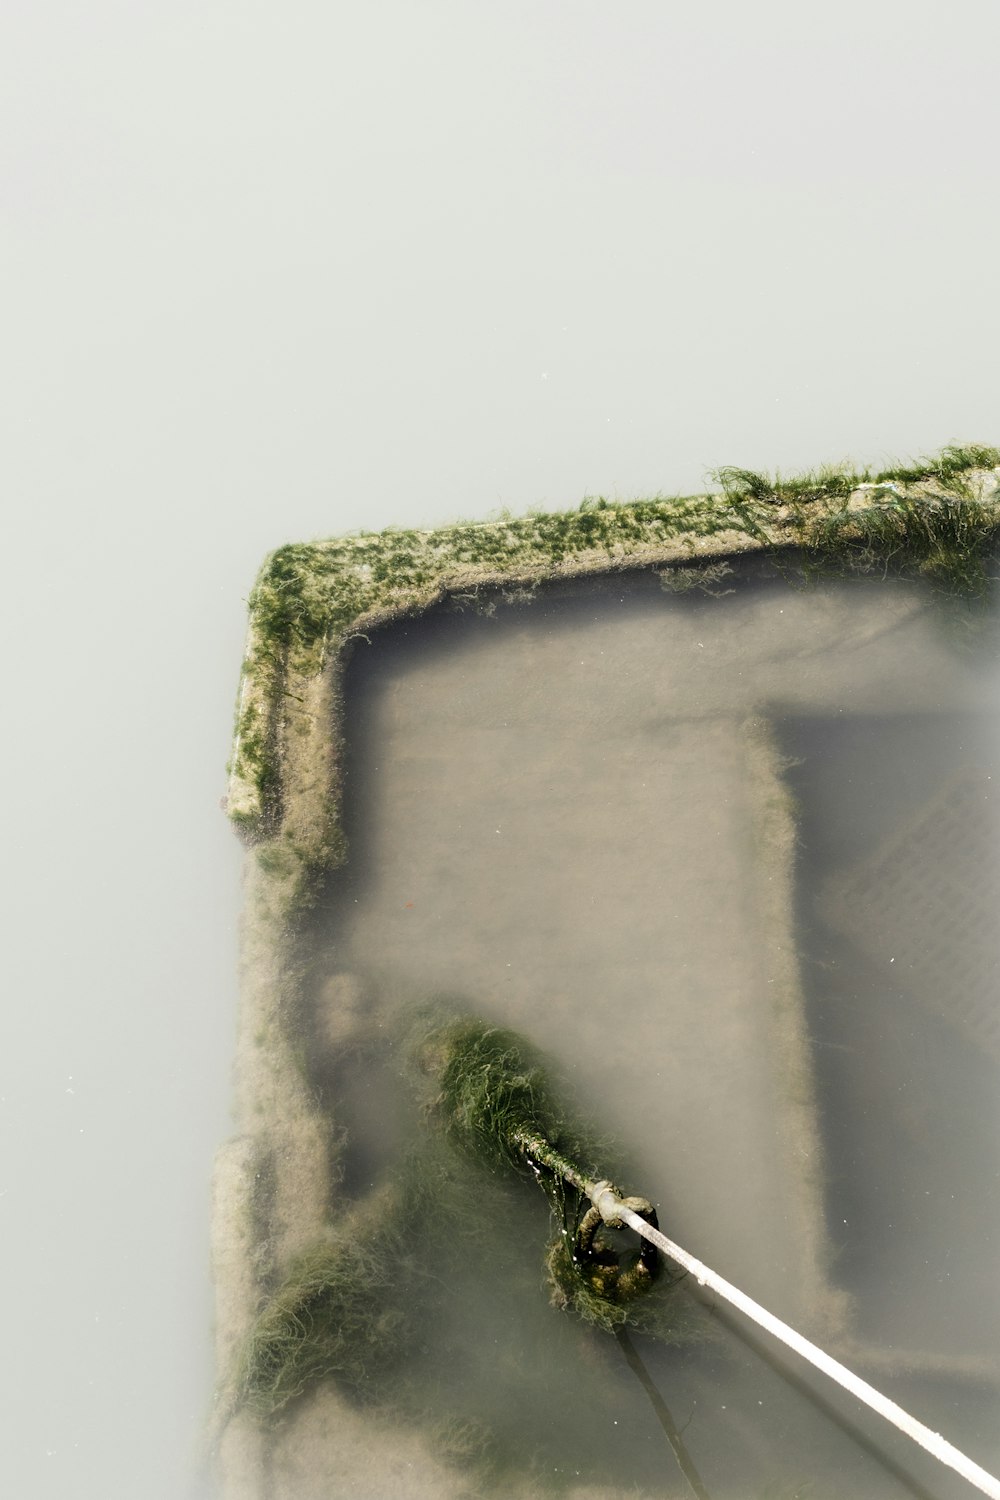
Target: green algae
(353, 1304)
(497, 1103)
(332, 1317)
(311, 599)
(945, 538)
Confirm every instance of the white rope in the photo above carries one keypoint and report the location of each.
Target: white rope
(612, 1209)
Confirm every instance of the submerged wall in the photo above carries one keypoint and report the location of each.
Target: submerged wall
(688, 710)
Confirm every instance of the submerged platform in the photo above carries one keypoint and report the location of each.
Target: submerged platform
(577, 813)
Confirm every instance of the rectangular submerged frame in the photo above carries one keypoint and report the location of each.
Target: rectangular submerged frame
(273, 1181)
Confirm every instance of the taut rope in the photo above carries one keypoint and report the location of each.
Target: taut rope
(615, 1212)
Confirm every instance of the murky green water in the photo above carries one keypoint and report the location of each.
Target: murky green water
(733, 862)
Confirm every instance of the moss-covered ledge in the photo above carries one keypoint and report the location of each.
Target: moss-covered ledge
(939, 517)
(276, 1192)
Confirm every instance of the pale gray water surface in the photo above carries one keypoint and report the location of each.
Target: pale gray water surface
(279, 272)
(732, 863)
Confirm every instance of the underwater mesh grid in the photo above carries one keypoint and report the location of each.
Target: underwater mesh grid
(933, 891)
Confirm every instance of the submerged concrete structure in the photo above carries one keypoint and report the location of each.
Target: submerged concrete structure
(652, 731)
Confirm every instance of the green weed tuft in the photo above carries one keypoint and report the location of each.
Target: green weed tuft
(334, 1315)
(493, 1092)
(744, 484)
(943, 538)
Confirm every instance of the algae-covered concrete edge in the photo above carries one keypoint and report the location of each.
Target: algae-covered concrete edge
(310, 599)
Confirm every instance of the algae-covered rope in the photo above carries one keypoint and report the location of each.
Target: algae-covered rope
(615, 1210)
